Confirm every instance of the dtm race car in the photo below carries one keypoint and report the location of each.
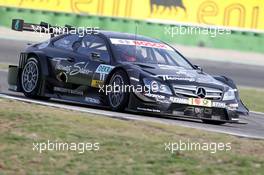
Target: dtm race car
(121, 72)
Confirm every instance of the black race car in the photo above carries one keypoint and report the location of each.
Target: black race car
(122, 72)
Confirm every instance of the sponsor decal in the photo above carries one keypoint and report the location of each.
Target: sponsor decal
(77, 68)
(200, 102)
(179, 100)
(165, 101)
(186, 73)
(80, 68)
(234, 105)
(104, 69)
(155, 96)
(140, 43)
(97, 83)
(92, 100)
(68, 91)
(218, 105)
(148, 110)
(17, 25)
(173, 78)
(102, 77)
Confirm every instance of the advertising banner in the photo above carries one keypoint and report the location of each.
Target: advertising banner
(234, 13)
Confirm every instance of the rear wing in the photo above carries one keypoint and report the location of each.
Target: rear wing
(20, 25)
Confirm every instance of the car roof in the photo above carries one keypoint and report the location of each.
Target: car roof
(119, 35)
(111, 34)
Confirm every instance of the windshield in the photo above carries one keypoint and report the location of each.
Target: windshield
(147, 52)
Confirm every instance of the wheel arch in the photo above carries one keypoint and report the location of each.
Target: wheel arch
(242, 109)
(115, 70)
(43, 65)
(228, 81)
(42, 58)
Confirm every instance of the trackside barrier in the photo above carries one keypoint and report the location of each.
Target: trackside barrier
(237, 40)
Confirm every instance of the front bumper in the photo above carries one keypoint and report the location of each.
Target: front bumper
(179, 107)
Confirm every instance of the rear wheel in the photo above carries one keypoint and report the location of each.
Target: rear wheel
(118, 97)
(31, 79)
(213, 122)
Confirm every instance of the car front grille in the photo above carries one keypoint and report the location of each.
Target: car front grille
(190, 91)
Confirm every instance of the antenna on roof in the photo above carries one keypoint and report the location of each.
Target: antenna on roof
(136, 32)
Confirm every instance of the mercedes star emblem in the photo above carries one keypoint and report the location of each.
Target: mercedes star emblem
(200, 92)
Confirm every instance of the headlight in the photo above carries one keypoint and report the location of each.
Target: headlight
(229, 95)
(156, 87)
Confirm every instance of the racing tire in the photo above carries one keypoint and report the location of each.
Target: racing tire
(213, 122)
(31, 79)
(117, 99)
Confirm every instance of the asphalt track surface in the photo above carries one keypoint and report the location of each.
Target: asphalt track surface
(251, 126)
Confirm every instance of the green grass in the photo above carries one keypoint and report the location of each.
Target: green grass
(126, 147)
(253, 98)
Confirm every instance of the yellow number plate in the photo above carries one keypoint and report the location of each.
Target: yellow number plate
(200, 102)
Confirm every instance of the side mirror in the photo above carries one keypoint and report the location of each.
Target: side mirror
(96, 57)
(196, 67)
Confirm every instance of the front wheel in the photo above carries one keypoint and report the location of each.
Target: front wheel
(118, 97)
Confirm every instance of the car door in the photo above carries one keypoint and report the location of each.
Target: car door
(64, 59)
(94, 62)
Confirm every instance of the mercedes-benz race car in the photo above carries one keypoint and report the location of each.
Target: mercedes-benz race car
(122, 72)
